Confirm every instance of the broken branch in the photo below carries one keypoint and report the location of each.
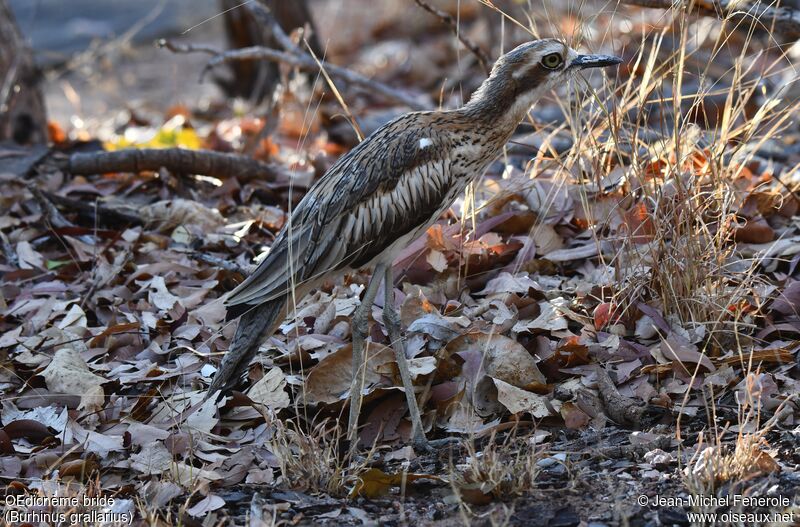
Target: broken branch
(303, 62)
(783, 20)
(180, 160)
(448, 20)
(96, 211)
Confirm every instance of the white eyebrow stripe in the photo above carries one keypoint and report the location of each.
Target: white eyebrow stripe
(425, 142)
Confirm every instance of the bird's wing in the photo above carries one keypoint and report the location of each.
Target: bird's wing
(388, 186)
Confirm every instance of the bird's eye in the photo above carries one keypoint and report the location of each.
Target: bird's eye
(552, 61)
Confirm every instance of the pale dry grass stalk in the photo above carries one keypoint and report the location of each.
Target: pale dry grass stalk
(679, 253)
(502, 469)
(310, 460)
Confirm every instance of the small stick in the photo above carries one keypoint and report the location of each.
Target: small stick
(216, 261)
(48, 209)
(447, 18)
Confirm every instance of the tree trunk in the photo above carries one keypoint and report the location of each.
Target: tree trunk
(255, 80)
(22, 111)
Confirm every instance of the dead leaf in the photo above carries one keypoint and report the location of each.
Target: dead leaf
(68, 374)
(677, 348)
(170, 213)
(270, 390)
(159, 296)
(574, 417)
(80, 469)
(754, 231)
(329, 381)
(437, 260)
(498, 356)
(517, 400)
(208, 504)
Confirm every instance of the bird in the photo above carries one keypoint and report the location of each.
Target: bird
(379, 197)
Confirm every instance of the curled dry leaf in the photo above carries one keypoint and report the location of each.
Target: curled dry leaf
(80, 469)
(421, 366)
(505, 283)
(574, 417)
(33, 431)
(68, 374)
(549, 319)
(437, 260)
(788, 301)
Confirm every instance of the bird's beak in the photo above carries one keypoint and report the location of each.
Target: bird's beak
(594, 61)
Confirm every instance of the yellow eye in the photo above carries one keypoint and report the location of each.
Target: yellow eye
(552, 61)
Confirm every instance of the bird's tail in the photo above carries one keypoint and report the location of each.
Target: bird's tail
(255, 325)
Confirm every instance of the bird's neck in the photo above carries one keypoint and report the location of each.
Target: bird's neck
(497, 105)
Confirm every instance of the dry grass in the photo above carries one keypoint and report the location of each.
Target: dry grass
(310, 460)
(501, 470)
(671, 192)
(714, 467)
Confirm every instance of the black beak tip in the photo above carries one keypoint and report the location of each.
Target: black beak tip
(595, 61)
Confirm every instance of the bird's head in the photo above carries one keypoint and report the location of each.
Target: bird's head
(523, 74)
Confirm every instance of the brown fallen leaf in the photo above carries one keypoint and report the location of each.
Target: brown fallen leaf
(80, 469)
(6, 448)
(677, 348)
(329, 381)
(574, 417)
(754, 231)
(498, 356)
(31, 430)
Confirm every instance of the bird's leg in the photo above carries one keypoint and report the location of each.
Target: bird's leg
(360, 325)
(392, 321)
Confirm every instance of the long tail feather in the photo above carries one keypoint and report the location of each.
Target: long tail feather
(255, 325)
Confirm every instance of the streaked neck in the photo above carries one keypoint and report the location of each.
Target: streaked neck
(498, 104)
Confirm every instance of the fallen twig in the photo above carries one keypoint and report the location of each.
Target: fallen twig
(266, 18)
(96, 211)
(208, 163)
(48, 209)
(783, 20)
(622, 410)
(304, 62)
(448, 19)
(8, 251)
(216, 261)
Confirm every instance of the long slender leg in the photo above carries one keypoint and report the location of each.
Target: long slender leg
(360, 326)
(392, 321)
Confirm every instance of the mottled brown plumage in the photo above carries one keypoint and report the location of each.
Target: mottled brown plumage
(384, 193)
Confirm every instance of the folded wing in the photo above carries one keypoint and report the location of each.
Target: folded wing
(384, 189)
